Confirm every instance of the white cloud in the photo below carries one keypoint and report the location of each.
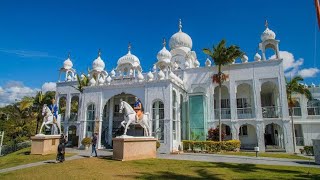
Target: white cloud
(28, 53)
(48, 86)
(292, 67)
(14, 91)
(310, 72)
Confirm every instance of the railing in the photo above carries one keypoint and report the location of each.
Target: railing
(314, 111)
(271, 112)
(244, 113)
(225, 113)
(296, 111)
(299, 141)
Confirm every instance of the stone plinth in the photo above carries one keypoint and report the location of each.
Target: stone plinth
(127, 148)
(316, 150)
(44, 144)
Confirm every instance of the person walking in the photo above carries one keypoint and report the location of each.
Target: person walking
(94, 144)
(61, 149)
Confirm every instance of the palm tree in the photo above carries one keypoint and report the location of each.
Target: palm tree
(222, 56)
(294, 87)
(83, 81)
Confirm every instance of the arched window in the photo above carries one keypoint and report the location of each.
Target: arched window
(314, 107)
(74, 108)
(90, 120)
(174, 115)
(158, 120)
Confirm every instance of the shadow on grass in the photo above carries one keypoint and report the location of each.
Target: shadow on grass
(307, 162)
(201, 174)
(25, 153)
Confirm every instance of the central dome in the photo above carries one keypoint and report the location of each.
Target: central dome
(180, 39)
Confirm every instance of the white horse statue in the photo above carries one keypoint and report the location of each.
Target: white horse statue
(130, 118)
(48, 118)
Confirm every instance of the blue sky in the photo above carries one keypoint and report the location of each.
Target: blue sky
(36, 36)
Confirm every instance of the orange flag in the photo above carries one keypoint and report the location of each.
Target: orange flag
(316, 3)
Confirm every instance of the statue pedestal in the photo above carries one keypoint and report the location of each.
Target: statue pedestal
(316, 150)
(126, 148)
(44, 144)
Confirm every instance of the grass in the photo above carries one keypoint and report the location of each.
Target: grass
(105, 168)
(23, 156)
(271, 155)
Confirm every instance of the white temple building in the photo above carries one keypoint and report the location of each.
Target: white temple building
(181, 99)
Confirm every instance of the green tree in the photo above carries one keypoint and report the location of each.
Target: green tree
(83, 81)
(222, 56)
(295, 87)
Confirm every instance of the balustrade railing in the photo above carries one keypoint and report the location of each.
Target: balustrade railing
(296, 111)
(245, 113)
(314, 111)
(225, 113)
(271, 111)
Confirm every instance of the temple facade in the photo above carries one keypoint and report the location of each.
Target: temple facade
(182, 99)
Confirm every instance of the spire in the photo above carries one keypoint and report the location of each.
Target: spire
(180, 25)
(266, 24)
(129, 48)
(99, 53)
(164, 42)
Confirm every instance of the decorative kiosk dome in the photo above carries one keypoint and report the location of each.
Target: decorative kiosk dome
(180, 39)
(98, 64)
(257, 57)
(244, 58)
(129, 59)
(67, 64)
(267, 34)
(164, 54)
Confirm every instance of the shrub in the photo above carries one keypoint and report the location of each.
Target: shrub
(309, 150)
(86, 141)
(211, 146)
(158, 144)
(213, 134)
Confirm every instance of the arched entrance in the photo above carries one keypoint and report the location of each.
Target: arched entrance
(248, 136)
(226, 130)
(72, 136)
(273, 137)
(112, 118)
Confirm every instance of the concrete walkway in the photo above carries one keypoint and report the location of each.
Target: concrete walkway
(184, 156)
(239, 159)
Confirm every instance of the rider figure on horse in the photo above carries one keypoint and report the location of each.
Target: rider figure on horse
(54, 110)
(138, 109)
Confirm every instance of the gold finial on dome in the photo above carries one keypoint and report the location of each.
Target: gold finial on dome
(180, 25)
(266, 24)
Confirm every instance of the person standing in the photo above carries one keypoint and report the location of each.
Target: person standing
(94, 144)
(61, 149)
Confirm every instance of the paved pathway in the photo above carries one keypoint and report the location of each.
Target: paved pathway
(184, 156)
(239, 159)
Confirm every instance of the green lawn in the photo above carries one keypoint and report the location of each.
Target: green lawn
(23, 156)
(105, 168)
(272, 155)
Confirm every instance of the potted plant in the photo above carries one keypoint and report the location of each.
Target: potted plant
(86, 142)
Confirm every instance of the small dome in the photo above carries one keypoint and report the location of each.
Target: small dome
(161, 75)
(92, 82)
(67, 64)
(140, 76)
(129, 58)
(113, 73)
(150, 76)
(98, 63)
(164, 54)
(257, 57)
(101, 81)
(180, 39)
(244, 58)
(109, 79)
(187, 65)
(197, 63)
(268, 33)
(208, 62)
(313, 85)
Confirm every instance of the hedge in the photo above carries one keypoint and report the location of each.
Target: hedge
(7, 149)
(211, 146)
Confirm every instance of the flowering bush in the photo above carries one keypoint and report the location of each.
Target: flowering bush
(211, 146)
(213, 134)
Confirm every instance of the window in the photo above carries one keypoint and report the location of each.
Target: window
(90, 120)
(228, 131)
(243, 130)
(313, 107)
(243, 103)
(158, 120)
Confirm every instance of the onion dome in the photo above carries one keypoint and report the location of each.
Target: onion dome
(67, 64)
(313, 85)
(101, 81)
(98, 64)
(154, 68)
(129, 58)
(180, 39)
(196, 63)
(244, 58)
(208, 62)
(161, 75)
(257, 57)
(164, 54)
(140, 76)
(150, 76)
(113, 73)
(268, 33)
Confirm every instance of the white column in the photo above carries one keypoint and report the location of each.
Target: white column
(111, 106)
(287, 133)
(257, 99)
(233, 102)
(260, 129)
